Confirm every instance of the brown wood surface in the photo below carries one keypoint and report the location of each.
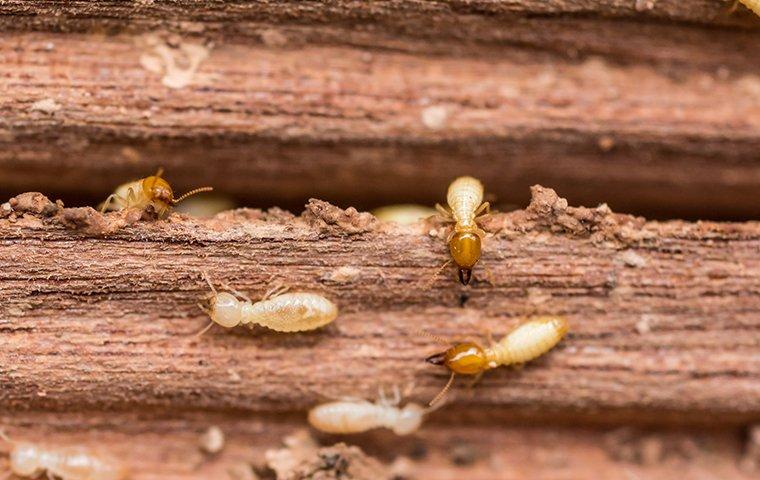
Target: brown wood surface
(664, 316)
(654, 111)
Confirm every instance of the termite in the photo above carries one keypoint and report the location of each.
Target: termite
(403, 214)
(279, 311)
(358, 415)
(68, 463)
(753, 5)
(465, 199)
(527, 341)
(152, 190)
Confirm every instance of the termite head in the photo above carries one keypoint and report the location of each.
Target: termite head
(464, 358)
(226, 310)
(161, 195)
(25, 460)
(465, 251)
(409, 419)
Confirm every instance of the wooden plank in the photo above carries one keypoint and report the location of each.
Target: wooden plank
(664, 316)
(274, 124)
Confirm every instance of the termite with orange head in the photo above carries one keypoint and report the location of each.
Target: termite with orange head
(357, 415)
(30, 460)
(465, 199)
(149, 191)
(279, 311)
(524, 343)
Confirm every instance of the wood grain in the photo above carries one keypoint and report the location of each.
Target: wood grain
(664, 316)
(273, 124)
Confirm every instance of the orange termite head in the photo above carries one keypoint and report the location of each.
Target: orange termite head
(464, 358)
(158, 190)
(465, 251)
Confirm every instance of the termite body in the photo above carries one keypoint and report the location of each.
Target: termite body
(753, 5)
(465, 204)
(69, 463)
(279, 311)
(357, 415)
(524, 343)
(403, 214)
(149, 191)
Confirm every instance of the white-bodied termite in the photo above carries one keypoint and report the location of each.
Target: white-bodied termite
(358, 415)
(279, 311)
(31, 460)
(404, 214)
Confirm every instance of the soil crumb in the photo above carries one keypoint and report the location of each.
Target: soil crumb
(33, 203)
(333, 220)
(303, 459)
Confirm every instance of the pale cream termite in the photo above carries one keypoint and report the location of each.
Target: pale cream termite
(403, 214)
(279, 311)
(30, 460)
(465, 200)
(524, 343)
(357, 415)
(152, 190)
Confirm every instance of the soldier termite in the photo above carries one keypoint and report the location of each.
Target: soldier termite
(465, 203)
(279, 311)
(525, 342)
(30, 460)
(357, 415)
(152, 190)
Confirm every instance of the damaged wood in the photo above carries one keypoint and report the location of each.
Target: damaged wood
(100, 312)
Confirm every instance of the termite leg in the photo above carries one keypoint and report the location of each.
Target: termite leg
(475, 380)
(131, 198)
(108, 201)
(444, 212)
(239, 294)
(276, 290)
(159, 172)
(484, 207)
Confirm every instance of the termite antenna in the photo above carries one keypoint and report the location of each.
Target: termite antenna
(438, 339)
(206, 277)
(191, 192)
(205, 329)
(159, 172)
(443, 392)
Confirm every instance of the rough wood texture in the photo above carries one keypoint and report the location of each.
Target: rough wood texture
(665, 316)
(337, 94)
(166, 447)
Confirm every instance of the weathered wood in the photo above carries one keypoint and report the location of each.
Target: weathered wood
(83, 113)
(664, 316)
(165, 447)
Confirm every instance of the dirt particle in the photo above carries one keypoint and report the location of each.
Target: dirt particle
(330, 219)
(632, 259)
(302, 458)
(435, 117)
(463, 454)
(273, 38)
(46, 105)
(212, 440)
(606, 143)
(33, 203)
(344, 274)
(91, 222)
(644, 326)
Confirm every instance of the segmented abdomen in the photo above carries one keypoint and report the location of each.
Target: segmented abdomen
(753, 5)
(464, 196)
(347, 417)
(291, 312)
(529, 340)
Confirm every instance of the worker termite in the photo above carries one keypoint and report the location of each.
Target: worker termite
(465, 200)
(525, 342)
(403, 214)
(279, 311)
(358, 415)
(152, 190)
(68, 463)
